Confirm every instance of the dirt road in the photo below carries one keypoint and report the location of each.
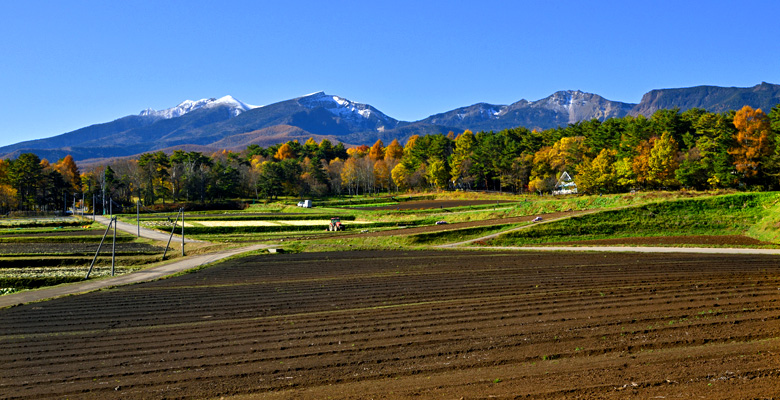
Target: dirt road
(147, 233)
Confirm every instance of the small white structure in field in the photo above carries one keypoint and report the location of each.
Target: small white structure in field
(565, 185)
(304, 204)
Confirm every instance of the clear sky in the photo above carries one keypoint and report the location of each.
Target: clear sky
(68, 64)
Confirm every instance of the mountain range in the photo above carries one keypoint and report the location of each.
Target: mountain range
(226, 123)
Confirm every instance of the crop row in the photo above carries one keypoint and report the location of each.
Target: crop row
(202, 230)
(250, 217)
(309, 321)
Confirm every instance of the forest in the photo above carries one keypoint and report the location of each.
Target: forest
(694, 149)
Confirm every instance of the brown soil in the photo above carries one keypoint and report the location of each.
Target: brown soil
(704, 240)
(435, 324)
(430, 204)
(83, 232)
(77, 248)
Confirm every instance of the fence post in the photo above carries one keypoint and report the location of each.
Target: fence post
(113, 249)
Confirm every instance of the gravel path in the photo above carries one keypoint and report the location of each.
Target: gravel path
(147, 233)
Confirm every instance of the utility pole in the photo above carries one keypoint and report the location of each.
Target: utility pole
(138, 216)
(103, 187)
(182, 231)
(113, 247)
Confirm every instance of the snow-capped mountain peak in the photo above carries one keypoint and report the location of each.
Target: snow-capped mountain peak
(346, 109)
(187, 106)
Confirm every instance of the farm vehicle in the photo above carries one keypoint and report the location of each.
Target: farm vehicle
(335, 225)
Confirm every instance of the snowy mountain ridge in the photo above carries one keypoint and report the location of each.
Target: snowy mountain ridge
(346, 109)
(226, 120)
(187, 106)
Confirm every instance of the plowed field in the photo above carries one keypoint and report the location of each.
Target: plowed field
(438, 324)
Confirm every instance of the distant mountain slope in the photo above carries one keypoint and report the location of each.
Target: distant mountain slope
(269, 136)
(231, 124)
(559, 109)
(711, 98)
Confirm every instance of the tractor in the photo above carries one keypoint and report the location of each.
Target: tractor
(335, 225)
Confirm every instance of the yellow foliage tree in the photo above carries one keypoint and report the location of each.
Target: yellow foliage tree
(640, 166)
(284, 152)
(598, 175)
(350, 175)
(394, 151)
(663, 161)
(400, 176)
(8, 198)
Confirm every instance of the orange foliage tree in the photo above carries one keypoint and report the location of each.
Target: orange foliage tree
(377, 151)
(285, 152)
(753, 140)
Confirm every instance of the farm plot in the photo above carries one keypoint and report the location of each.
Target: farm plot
(37, 256)
(410, 325)
(433, 204)
(318, 223)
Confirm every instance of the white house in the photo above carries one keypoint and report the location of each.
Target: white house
(565, 185)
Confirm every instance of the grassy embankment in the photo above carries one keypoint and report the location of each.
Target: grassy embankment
(753, 215)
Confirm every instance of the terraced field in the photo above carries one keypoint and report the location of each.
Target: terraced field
(443, 324)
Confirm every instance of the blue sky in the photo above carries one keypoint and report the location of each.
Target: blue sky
(68, 64)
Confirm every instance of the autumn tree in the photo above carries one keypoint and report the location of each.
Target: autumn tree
(350, 175)
(377, 151)
(285, 152)
(400, 176)
(394, 151)
(753, 142)
(70, 172)
(640, 163)
(663, 162)
(8, 195)
(382, 175)
(598, 175)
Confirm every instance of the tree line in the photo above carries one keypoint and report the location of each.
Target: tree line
(693, 149)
